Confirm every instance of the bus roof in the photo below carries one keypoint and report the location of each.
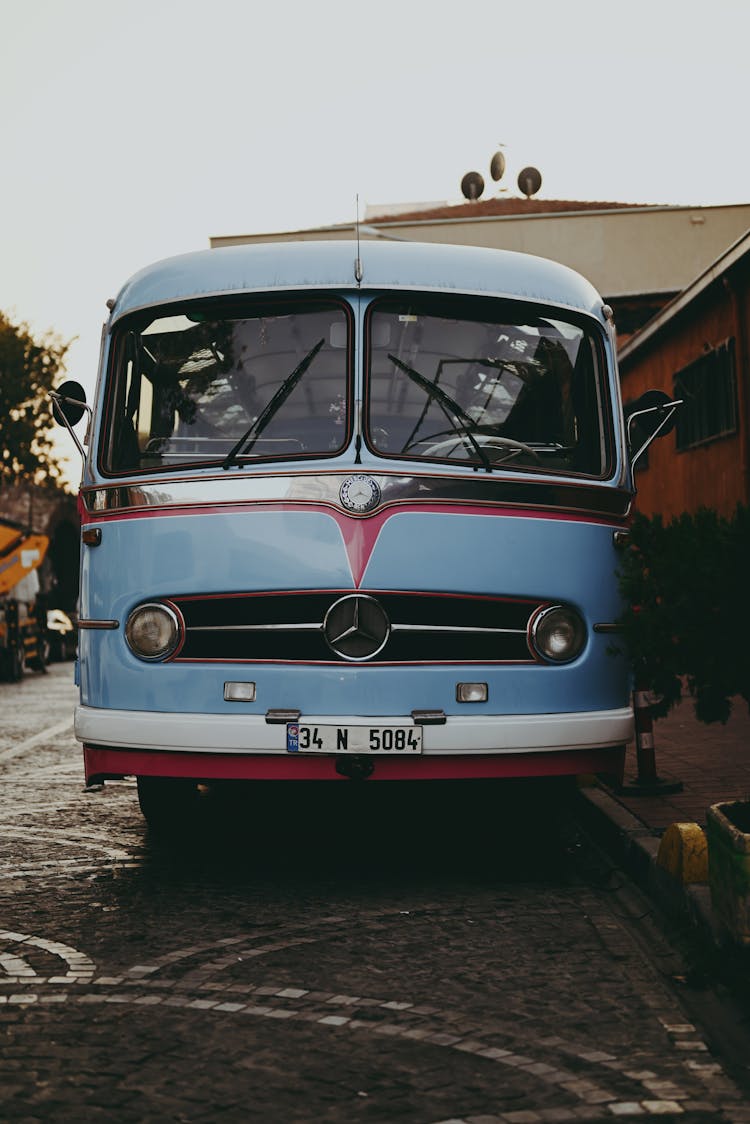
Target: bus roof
(385, 266)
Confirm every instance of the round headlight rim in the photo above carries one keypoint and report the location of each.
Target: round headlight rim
(543, 615)
(177, 622)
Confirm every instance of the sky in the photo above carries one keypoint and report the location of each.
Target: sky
(136, 131)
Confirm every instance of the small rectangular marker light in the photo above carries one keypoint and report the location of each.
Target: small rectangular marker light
(471, 692)
(239, 692)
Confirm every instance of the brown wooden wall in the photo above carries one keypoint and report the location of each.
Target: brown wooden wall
(715, 474)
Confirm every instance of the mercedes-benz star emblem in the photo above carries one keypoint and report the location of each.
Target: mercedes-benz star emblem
(359, 493)
(356, 627)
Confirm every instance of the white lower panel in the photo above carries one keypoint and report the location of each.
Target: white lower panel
(238, 733)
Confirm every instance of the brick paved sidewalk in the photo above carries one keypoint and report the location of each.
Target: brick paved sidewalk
(712, 761)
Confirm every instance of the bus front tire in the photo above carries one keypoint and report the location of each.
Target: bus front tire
(168, 803)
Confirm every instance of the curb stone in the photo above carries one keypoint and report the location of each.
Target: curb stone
(636, 847)
(716, 986)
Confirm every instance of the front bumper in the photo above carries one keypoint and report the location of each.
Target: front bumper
(240, 733)
(123, 742)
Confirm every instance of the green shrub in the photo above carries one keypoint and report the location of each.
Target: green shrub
(687, 620)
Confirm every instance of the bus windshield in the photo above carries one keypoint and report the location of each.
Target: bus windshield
(494, 388)
(229, 385)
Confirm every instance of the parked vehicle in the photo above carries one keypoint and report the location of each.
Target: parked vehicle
(353, 514)
(22, 636)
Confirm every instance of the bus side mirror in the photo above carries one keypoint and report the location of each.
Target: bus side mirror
(652, 415)
(68, 403)
(68, 407)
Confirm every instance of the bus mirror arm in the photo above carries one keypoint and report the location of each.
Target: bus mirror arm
(68, 407)
(658, 411)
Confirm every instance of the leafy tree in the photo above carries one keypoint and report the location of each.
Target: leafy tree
(29, 368)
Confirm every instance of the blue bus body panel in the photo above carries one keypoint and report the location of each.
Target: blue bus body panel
(550, 559)
(331, 265)
(171, 530)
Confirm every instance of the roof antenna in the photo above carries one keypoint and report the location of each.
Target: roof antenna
(358, 271)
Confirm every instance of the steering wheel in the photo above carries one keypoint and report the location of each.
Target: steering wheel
(489, 440)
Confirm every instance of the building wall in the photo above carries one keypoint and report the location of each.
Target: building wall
(623, 252)
(714, 474)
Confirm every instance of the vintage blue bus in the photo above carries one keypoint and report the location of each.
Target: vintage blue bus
(352, 511)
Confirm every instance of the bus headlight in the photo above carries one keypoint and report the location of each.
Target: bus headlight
(558, 634)
(152, 631)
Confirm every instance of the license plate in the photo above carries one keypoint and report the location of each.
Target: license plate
(394, 741)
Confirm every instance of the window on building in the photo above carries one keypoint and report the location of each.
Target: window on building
(708, 387)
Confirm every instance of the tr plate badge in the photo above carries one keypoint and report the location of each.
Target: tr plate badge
(359, 493)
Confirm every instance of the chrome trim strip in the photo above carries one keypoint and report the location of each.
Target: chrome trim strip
(318, 627)
(100, 625)
(255, 627)
(455, 628)
(322, 489)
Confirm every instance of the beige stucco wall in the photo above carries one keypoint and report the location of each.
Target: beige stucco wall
(622, 252)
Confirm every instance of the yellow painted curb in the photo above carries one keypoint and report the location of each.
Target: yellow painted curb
(683, 853)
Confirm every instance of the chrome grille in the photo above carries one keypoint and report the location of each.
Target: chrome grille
(289, 626)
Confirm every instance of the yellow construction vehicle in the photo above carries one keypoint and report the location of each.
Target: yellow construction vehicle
(23, 641)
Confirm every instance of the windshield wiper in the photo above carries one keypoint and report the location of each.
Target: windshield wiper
(251, 435)
(449, 406)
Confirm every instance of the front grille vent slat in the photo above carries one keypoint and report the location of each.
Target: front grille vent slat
(425, 627)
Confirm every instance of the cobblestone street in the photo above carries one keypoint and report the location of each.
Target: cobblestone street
(355, 954)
